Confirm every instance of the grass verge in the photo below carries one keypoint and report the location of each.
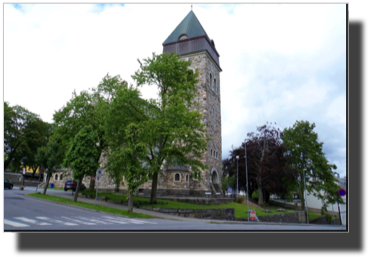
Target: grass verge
(90, 206)
(240, 209)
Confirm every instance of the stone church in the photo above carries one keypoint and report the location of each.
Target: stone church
(191, 42)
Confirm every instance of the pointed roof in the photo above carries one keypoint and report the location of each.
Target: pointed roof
(189, 26)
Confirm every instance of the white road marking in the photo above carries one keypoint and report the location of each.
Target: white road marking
(94, 220)
(129, 220)
(15, 224)
(55, 221)
(110, 219)
(31, 221)
(78, 221)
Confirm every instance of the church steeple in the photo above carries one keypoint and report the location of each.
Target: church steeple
(190, 37)
(189, 26)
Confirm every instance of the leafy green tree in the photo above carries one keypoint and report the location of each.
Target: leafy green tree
(16, 119)
(310, 164)
(126, 108)
(129, 160)
(50, 157)
(36, 136)
(88, 108)
(176, 135)
(82, 155)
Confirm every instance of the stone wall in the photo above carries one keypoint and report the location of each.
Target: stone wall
(14, 178)
(296, 217)
(293, 206)
(215, 214)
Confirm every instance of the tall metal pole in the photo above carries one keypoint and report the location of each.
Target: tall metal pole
(246, 172)
(237, 177)
(340, 217)
(304, 185)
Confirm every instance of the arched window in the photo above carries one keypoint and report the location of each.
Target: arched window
(56, 177)
(211, 152)
(187, 178)
(176, 177)
(214, 84)
(61, 177)
(210, 79)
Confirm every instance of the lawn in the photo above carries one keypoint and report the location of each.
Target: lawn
(240, 209)
(89, 206)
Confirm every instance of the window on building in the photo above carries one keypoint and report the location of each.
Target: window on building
(176, 177)
(214, 153)
(213, 114)
(211, 152)
(187, 178)
(61, 177)
(210, 79)
(56, 177)
(214, 84)
(182, 37)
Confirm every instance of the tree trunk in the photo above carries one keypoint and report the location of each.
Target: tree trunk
(130, 201)
(47, 182)
(260, 191)
(117, 186)
(77, 189)
(153, 192)
(92, 184)
(261, 196)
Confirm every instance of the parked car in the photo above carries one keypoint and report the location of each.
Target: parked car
(7, 184)
(73, 186)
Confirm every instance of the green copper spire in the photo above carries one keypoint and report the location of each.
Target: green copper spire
(189, 26)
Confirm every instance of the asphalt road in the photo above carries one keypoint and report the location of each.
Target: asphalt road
(23, 213)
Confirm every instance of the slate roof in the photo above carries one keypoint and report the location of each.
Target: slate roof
(190, 26)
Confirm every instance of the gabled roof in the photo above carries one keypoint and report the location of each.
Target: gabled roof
(189, 26)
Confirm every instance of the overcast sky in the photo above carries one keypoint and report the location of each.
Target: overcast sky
(281, 63)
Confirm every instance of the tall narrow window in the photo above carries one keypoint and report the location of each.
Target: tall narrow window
(176, 177)
(214, 84)
(211, 152)
(56, 177)
(210, 79)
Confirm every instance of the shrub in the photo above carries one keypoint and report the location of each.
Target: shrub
(329, 218)
(239, 199)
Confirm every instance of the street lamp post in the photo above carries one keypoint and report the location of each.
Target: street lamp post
(237, 177)
(305, 193)
(246, 172)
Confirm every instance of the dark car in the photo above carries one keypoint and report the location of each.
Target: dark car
(73, 186)
(7, 184)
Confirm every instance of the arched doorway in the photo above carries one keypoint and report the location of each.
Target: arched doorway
(215, 180)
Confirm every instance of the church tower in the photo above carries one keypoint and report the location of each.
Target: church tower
(191, 42)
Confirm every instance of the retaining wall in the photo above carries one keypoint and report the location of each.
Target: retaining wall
(216, 214)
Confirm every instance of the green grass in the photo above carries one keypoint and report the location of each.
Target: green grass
(90, 206)
(240, 209)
